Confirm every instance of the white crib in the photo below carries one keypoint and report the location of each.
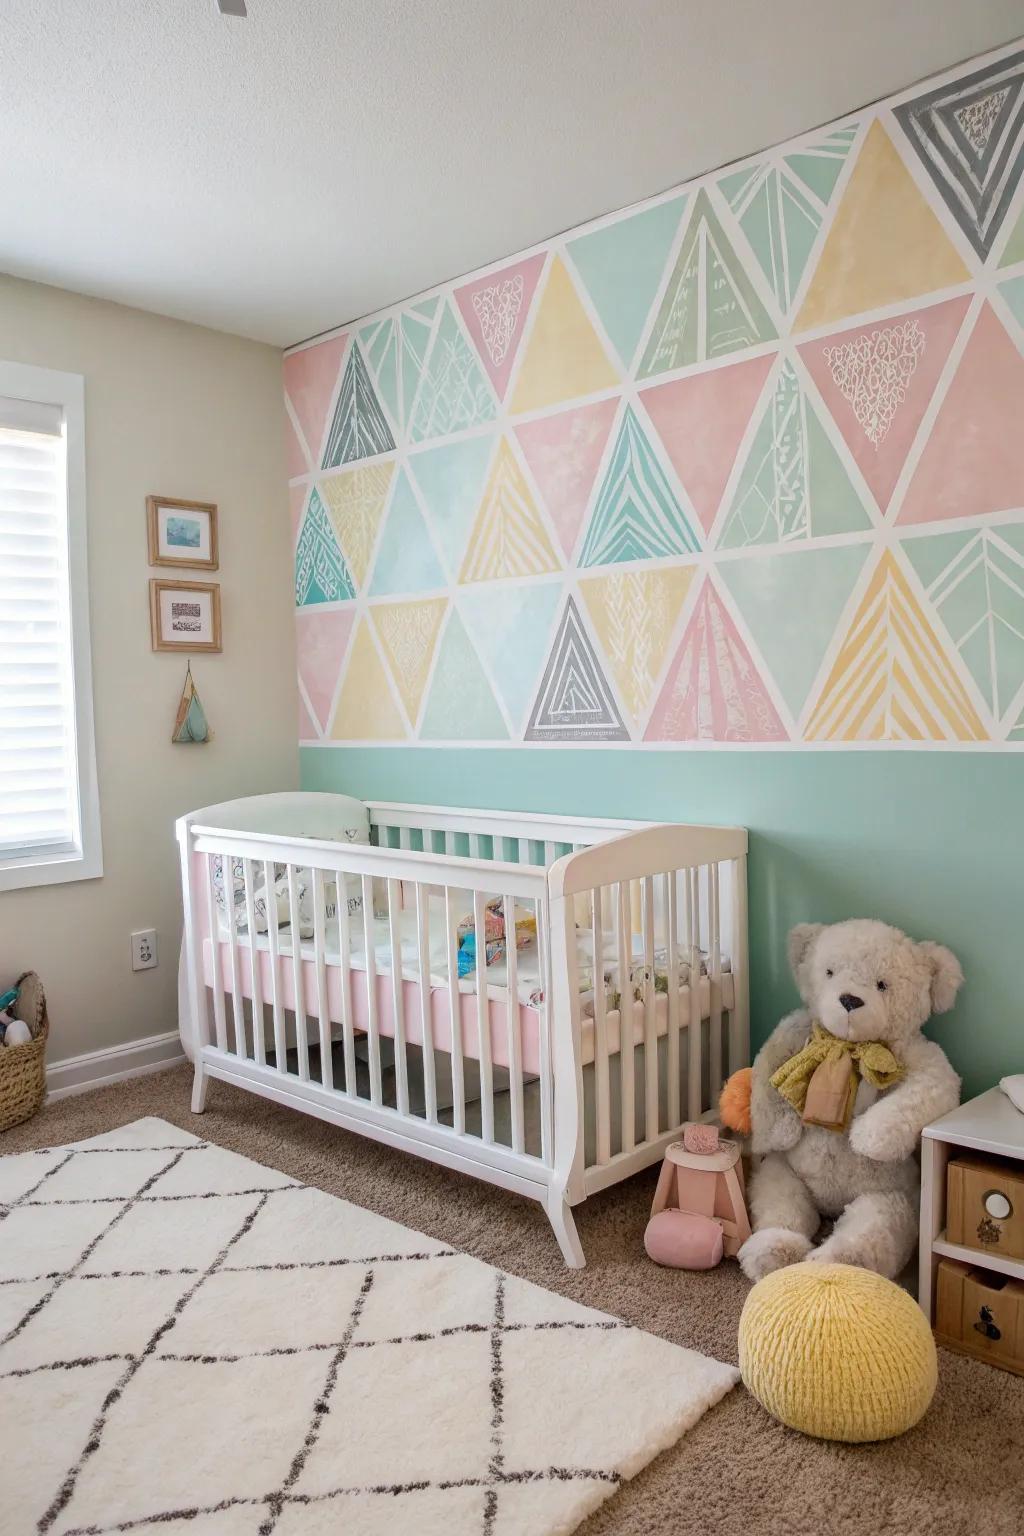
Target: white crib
(567, 1068)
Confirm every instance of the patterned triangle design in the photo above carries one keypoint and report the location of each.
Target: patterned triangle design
(321, 642)
(415, 327)
(406, 560)
(1014, 248)
(356, 503)
(451, 480)
(380, 345)
(885, 244)
(309, 380)
(973, 461)
(781, 208)
(461, 705)
(877, 381)
(360, 429)
(564, 357)
(621, 266)
(790, 603)
(509, 538)
(976, 583)
(710, 307)
(792, 485)
(408, 634)
(713, 691)
(892, 680)
(494, 309)
(969, 136)
(511, 630)
(366, 709)
(453, 392)
(564, 453)
(701, 420)
(321, 575)
(637, 515)
(574, 701)
(634, 614)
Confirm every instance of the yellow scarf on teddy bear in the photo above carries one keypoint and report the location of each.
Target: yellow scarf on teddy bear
(821, 1081)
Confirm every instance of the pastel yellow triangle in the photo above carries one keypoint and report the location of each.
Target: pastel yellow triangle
(508, 537)
(892, 679)
(564, 356)
(366, 710)
(408, 633)
(885, 244)
(634, 614)
(355, 502)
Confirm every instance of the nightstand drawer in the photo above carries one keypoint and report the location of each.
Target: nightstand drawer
(980, 1313)
(985, 1206)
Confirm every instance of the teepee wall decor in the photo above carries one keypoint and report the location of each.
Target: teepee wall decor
(191, 724)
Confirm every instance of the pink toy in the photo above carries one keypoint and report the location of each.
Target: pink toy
(699, 1212)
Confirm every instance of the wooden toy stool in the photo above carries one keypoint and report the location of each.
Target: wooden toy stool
(707, 1185)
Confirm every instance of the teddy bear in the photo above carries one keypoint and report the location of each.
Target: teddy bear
(841, 1142)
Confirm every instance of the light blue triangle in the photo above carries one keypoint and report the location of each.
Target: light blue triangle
(453, 392)
(406, 561)
(462, 706)
(427, 307)
(511, 629)
(791, 603)
(637, 515)
(621, 266)
(451, 480)
(933, 554)
(380, 343)
(1013, 292)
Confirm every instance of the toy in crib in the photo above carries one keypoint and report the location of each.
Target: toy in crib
(494, 934)
(699, 1211)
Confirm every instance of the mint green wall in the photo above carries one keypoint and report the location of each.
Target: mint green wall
(931, 841)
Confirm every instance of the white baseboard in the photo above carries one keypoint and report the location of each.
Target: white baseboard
(77, 1074)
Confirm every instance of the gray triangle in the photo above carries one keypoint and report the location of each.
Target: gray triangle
(574, 701)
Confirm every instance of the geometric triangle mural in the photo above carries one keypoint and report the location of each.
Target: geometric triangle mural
(309, 380)
(574, 702)
(1013, 251)
(637, 515)
(408, 633)
(564, 452)
(366, 708)
(621, 267)
(356, 502)
(461, 705)
(451, 482)
(510, 626)
(395, 350)
(969, 136)
(453, 392)
(494, 309)
(360, 429)
(892, 679)
(1013, 292)
(564, 357)
(321, 575)
(509, 538)
(321, 640)
(634, 614)
(405, 561)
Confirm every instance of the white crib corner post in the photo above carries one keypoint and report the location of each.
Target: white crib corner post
(193, 1025)
(739, 1020)
(565, 1176)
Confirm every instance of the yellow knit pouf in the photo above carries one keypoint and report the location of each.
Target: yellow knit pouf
(837, 1352)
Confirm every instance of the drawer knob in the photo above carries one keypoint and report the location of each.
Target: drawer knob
(986, 1324)
(997, 1205)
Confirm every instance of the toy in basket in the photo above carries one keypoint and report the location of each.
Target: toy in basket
(699, 1212)
(23, 1051)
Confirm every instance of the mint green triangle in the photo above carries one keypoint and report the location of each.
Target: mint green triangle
(1016, 732)
(461, 706)
(933, 554)
(834, 504)
(791, 604)
(427, 307)
(1014, 251)
(451, 481)
(406, 560)
(1013, 292)
(636, 515)
(511, 629)
(380, 343)
(820, 164)
(453, 392)
(621, 267)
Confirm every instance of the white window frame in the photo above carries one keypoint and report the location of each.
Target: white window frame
(21, 381)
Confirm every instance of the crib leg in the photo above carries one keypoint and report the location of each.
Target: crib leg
(564, 1227)
(200, 1083)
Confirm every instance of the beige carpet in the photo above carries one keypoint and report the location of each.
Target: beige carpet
(737, 1473)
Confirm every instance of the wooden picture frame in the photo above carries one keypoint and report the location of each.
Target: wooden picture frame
(194, 625)
(188, 526)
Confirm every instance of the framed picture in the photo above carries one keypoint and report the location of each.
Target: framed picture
(182, 532)
(185, 615)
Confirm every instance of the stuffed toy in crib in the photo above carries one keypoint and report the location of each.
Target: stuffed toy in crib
(839, 1095)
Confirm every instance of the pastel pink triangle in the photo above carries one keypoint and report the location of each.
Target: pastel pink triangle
(296, 502)
(298, 464)
(307, 730)
(701, 420)
(877, 381)
(309, 378)
(973, 462)
(564, 453)
(495, 308)
(321, 642)
(713, 691)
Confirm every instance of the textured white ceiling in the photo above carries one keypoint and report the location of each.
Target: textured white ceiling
(280, 175)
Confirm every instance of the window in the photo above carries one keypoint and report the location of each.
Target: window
(49, 809)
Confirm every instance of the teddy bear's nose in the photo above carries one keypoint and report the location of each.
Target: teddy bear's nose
(850, 1001)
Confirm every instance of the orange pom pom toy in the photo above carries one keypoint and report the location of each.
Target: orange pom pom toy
(734, 1102)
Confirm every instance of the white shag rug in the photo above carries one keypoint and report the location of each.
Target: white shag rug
(191, 1342)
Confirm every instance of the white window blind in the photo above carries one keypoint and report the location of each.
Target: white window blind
(39, 800)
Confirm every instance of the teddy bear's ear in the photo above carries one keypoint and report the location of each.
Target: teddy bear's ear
(947, 977)
(799, 946)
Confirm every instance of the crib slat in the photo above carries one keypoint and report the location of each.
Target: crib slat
(524, 849)
(397, 996)
(259, 1043)
(345, 956)
(544, 1025)
(455, 1018)
(603, 1101)
(515, 1045)
(323, 1011)
(672, 1051)
(550, 854)
(714, 983)
(475, 846)
(373, 1023)
(234, 959)
(217, 987)
(695, 1082)
(483, 1022)
(449, 843)
(298, 979)
(650, 1016)
(404, 837)
(426, 1016)
(627, 1050)
(274, 948)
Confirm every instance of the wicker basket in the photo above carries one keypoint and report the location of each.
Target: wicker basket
(23, 1067)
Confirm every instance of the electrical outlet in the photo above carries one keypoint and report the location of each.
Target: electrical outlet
(144, 950)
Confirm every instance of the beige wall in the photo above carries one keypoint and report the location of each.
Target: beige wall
(180, 411)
